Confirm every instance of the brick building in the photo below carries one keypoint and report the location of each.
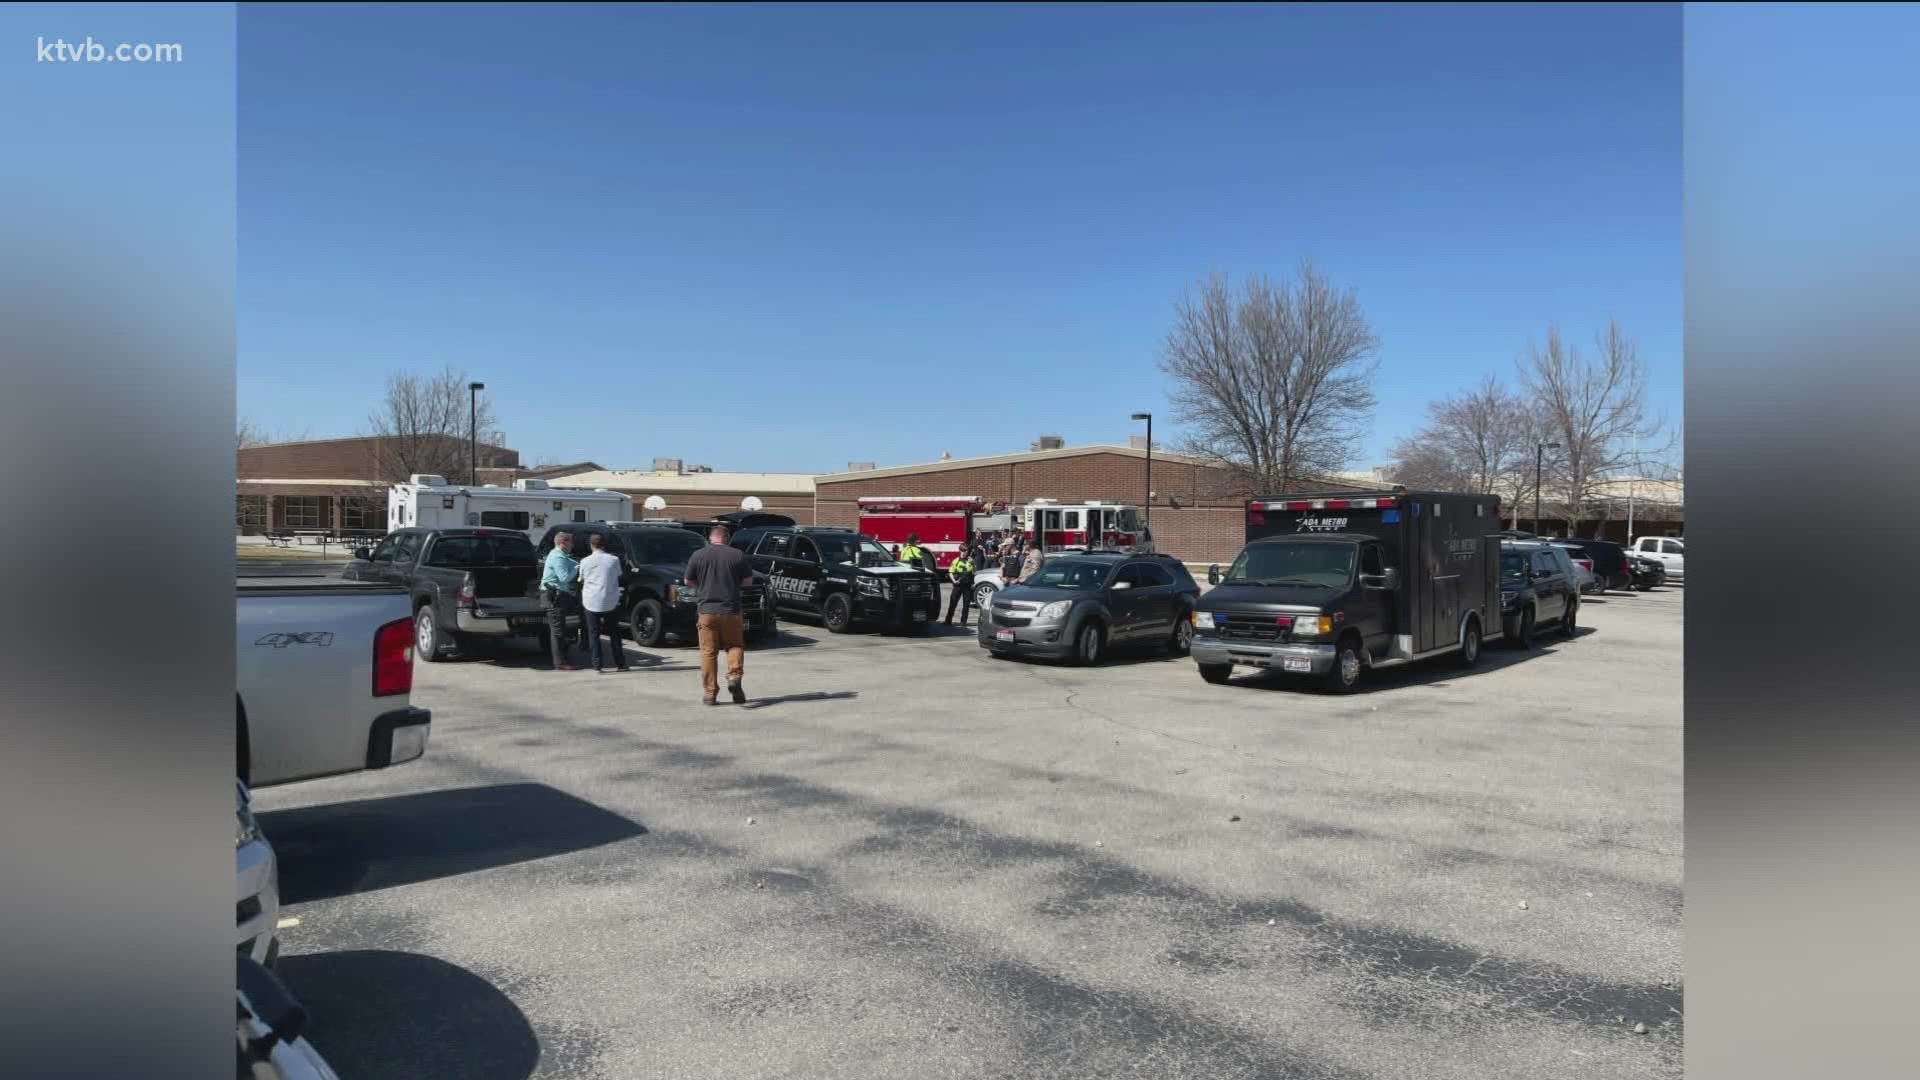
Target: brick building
(697, 495)
(1198, 508)
(334, 483)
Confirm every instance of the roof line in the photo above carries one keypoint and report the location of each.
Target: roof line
(1006, 459)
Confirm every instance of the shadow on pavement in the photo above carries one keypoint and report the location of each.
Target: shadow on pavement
(354, 847)
(836, 695)
(393, 1014)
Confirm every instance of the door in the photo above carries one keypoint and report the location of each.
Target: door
(1125, 607)
(380, 560)
(1551, 587)
(1046, 528)
(406, 550)
(807, 570)
(1155, 600)
(1372, 609)
(1674, 554)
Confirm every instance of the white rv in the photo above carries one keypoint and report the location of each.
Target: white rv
(529, 506)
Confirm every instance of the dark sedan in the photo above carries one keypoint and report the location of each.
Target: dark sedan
(1647, 573)
(1078, 606)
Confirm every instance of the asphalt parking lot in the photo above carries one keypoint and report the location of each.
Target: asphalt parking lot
(906, 859)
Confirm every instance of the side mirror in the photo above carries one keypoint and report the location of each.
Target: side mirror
(363, 554)
(1213, 574)
(1387, 581)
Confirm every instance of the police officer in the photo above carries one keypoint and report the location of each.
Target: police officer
(912, 553)
(557, 578)
(961, 568)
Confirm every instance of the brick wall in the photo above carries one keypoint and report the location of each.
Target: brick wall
(342, 459)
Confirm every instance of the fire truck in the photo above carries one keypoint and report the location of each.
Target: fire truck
(942, 522)
(1092, 524)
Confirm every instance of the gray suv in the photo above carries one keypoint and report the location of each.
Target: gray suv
(1077, 606)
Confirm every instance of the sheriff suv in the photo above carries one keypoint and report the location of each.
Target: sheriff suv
(840, 577)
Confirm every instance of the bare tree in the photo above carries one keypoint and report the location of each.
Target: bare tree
(1595, 408)
(1471, 442)
(1274, 379)
(423, 426)
(251, 434)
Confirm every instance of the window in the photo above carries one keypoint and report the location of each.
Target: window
(1545, 563)
(505, 519)
(1151, 576)
(456, 551)
(663, 545)
(1071, 574)
(303, 511)
(406, 547)
(579, 515)
(804, 550)
(1072, 520)
(1370, 561)
(384, 552)
(250, 512)
(358, 512)
(1673, 547)
(776, 545)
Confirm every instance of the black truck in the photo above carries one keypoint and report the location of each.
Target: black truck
(466, 586)
(1331, 584)
(654, 599)
(840, 577)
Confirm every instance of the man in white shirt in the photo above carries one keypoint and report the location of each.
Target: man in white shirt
(600, 596)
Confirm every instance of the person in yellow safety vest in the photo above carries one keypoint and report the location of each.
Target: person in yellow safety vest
(961, 568)
(912, 553)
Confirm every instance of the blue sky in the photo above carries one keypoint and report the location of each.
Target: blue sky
(788, 237)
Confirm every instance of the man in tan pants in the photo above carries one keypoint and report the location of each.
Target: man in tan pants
(716, 573)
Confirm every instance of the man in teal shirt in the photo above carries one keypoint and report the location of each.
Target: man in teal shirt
(556, 591)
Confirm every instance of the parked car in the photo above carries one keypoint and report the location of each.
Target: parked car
(987, 581)
(1077, 606)
(323, 672)
(1582, 565)
(840, 577)
(1607, 562)
(1648, 573)
(1539, 586)
(465, 586)
(257, 893)
(270, 1032)
(1669, 551)
(655, 601)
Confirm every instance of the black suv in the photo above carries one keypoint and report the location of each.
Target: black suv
(654, 602)
(1078, 605)
(1538, 586)
(1610, 569)
(840, 577)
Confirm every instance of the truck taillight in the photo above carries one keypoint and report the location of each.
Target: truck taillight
(393, 659)
(466, 592)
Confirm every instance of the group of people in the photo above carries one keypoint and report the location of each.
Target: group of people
(1009, 550)
(590, 588)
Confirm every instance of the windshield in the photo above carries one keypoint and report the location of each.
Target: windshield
(1070, 574)
(841, 548)
(1513, 564)
(1326, 566)
(1129, 520)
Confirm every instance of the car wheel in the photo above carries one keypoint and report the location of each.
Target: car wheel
(1088, 645)
(429, 643)
(1568, 623)
(1182, 638)
(838, 613)
(1347, 666)
(649, 624)
(1216, 673)
(1470, 644)
(983, 596)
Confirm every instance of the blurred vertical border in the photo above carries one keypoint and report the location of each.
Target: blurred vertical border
(117, 193)
(1803, 689)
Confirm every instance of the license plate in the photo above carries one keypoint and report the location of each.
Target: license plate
(1294, 663)
(1003, 635)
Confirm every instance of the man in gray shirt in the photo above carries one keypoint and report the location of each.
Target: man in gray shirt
(716, 573)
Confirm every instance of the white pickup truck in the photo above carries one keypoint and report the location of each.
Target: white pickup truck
(1669, 551)
(323, 672)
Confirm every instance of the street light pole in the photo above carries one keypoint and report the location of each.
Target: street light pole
(1539, 458)
(1148, 417)
(473, 432)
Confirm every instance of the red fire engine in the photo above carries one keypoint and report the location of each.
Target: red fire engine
(943, 522)
(1090, 524)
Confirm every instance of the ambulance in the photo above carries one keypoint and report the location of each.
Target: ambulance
(531, 507)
